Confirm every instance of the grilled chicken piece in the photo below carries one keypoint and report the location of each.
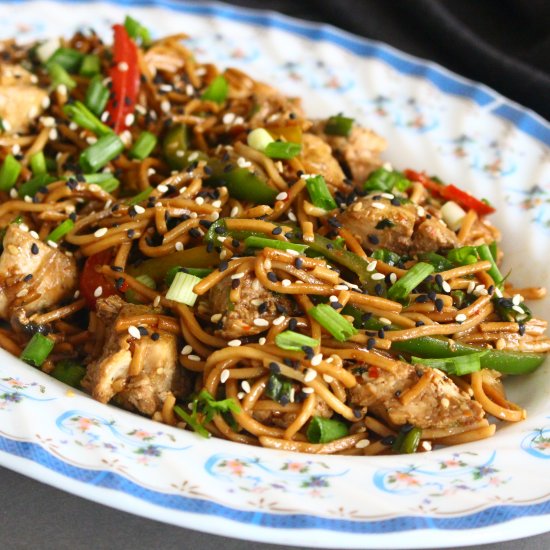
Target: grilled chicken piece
(156, 370)
(54, 274)
(431, 235)
(317, 158)
(389, 227)
(359, 152)
(238, 318)
(20, 101)
(440, 405)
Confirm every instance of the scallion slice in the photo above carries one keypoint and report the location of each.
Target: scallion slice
(141, 196)
(105, 180)
(199, 272)
(294, 341)
(69, 372)
(31, 187)
(11, 168)
(132, 295)
(333, 322)
(192, 421)
(319, 193)
(181, 289)
(60, 231)
(38, 163)
(404, 286)
(325, 430)
(37, 350)
(458, 365)
(464, 255)
(91, 65)
(485, 254)
(60, 76)
(279, 389)
(143, 146)
(100, 153)
(282, 150)
(81, 115)
(387, 181)
(137, 31)
(264, 242)
(217, 90)
(339, 125)
(68, 58)
(97, 96)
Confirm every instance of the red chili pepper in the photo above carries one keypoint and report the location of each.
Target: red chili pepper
(92, 278)
(451, 193)
(373, 372)
(125, 79)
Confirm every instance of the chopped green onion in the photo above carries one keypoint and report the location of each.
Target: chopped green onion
(11, 168)
(81, 115)
(282, 149)
(264, 242)
(404, 286)
(132, 295)
(386, 181)
(439, 262)
(105, 180)
(279, 389)
(143, 146)
(464, 255)
(38, 163)
(191, 421)
(259, 139)
(61, 230)
(459, 365)
(407, 441)
(97, 96)
(325, 430)
(143, 195)
(217, 90)
(333, 322)
(67, 58)
(91, 65)
(508, 311)
(100, 153)
(181, 289)
(485, 254)
(386, 256)
(37, 350)
(319, 193)
(199, 272)
(339, 125)
(60, 76)
(31, 187)
(294, 341)
(137, 31)
(69, 372)
(210, 408)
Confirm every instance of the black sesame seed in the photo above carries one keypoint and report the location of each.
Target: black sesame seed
(432, 295)
(155, 336)
(274, 368)
(336, 305)
(117, 268)
(292, 324)
(381, 333)
(395, 201)
(277, 231)
(298, 263)
(378, 289)
(205, 223)
(262, 308)
(132, 211)
(195, 233)
(373, 239)
(421, 299)
(334, 222)
(521, 329)
(330, 246)
(131, 233)
(209, 247)
(357, 413)
(289, 235)
(27, 278)
(120, 282)
(419, 373)
(235, 243)
(439, 304)
(72, 216)
(34, 248)
(419, 324)
(143, 331)
(439, 279)
(366, 316)
(371, 342)
(223, 266)
(219, 230)
(235, 283)
(397, 393)
(491, 290)
(272, 276)
(389, 440)
(308, 351)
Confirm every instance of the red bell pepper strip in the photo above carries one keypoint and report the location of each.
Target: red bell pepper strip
(124, 78)
(451, 193)
(92, 278)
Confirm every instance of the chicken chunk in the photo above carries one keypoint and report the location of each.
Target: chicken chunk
(317, 158)
(440, 405)
(20, 101)
(53, 274)
(256, 302)
(138, 383)
(431, 235)
(376, 223)
(359, 152)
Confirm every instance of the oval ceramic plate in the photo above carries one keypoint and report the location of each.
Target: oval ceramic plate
(488, 491)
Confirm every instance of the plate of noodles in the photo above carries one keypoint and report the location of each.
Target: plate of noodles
(263, 272)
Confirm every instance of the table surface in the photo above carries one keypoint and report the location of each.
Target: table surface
(34, 515)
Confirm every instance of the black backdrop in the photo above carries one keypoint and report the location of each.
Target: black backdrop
(502, 43)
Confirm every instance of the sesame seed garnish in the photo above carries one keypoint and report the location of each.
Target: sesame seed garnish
(445, 403)
(262, 341)
(371, 266)
(316, 359)
(245, 385)
(341, 287)
(362, 443)
(100, 232)
(261, 322)
(122, 66)
(13, 193)
(518, 309)
(378, 205)
(241, 395)
(286, 282)
(426, 445)
(310, 375)
(234, 343)
(384, 321)
(446, 286)
(51, 244)
(471, 287)
(162, 188)
(156, 301)
(279, 320)
(393, 278)
(516, 300)
(139, 209)
(498, 292)
(307, 390)
(216, 317)
(178, 246)
(328, 378)
(239, 275)
(22, 292)
(193, 358)
(377, 276)
(282, 196)
(133, 331)
(187, 349)
(224, 376)
(460, 318)
(333, 298)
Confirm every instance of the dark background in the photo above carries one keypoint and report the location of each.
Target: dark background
(502, 43)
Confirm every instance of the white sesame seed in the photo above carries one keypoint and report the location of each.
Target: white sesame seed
(316, 359)
(262, 341)
(371, 266)
(498, 292)
(307, 390)
(189, 90)
(166, 87)
(129, 119)
(224, 376)
(426, 445)
(122, 66)
(100, 232)
(279, 320)
(333, 298)
(162, 188)
(193, 358)
(420, 211)
(234, 343)
(51, 244)
(165, 106)
(286, 282)
(377, 276)
(378, 205)
(384, 321)
(241, 395)
(238, 275)
(52, 135)
(179, 246)
(328, 378)
(133, 331)
(310, 375)
(24, 227)
(22, 292)
(239, 120)
(217, 204)
(243, 163)
(187, 349)
(62, 89)
(13, 193)
(518, 309)
(446, 286)
(228, 118)
(445, 403)
(234, 212)
(516, 300)
(341, 287)
(216, 317)
(362, 443)
(245, 385)
(33, 234)
(261, 322)
(460, 318)
(393, 278)
(16, 149)
(282, 196)
(46, 102)
(139, 209)
(388, 196)
(256, 302)
(199, 200)
(156, 301)
(76, 294)
(104, 116)
(471, 287)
